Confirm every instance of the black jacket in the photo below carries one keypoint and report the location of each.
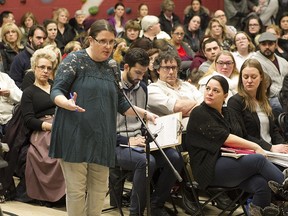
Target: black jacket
(252, 123)
(166, 24)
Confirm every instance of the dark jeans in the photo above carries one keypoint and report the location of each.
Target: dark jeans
(135, 161)
(251, 173)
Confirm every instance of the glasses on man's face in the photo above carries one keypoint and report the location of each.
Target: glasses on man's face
(228, 64)
(105, 42)
(168, 68)
(43, 68)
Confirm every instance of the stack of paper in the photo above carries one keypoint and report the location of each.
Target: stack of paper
(278, 158)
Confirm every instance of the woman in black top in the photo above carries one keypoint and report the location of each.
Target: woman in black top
(251, 104)
(212, 126)
(44, 177)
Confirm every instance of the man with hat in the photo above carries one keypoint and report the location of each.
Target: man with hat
(273, 65)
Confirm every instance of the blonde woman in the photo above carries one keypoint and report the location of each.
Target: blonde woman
(65, 32)
(217, 30)
(11, 38)
(43, 175)
(223, 65)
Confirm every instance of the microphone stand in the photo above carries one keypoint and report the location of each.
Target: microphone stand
(149, 137)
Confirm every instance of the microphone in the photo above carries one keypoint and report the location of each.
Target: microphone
(113, 64)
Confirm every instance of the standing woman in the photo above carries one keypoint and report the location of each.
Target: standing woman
(43, 175)
(11, 41)
(117, 21)
(252, 105)
(193, 33)
(65, 32)
(212, 126)
(84, 131)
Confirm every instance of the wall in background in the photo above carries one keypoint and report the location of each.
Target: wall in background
(43, 8)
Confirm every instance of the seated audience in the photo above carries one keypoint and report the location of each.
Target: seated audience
(77, 21)
(143, 10)
(65, 33)
(273, 65)
(183, 49)
(129, 133)
(169, 94)
(167, 18)
(223, 65)
(251, 104)
(230, 30)
(131, 32)
(254, 27)
(27, 21)
(193, 33)
(10, 94)
(43, 175)
(217, 30)
(282, 44)
(21, 62)
(196, 8)
(152, 29)
(212, 126)
(210, 48)
(11, 45)
(118, 21)
(242, 48)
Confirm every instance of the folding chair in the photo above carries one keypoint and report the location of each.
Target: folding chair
(239, 199)
(117, 177)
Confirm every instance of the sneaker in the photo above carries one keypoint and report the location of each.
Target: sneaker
(159, 211)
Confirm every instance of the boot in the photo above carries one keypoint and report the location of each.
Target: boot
(271, 210)
(280, 189)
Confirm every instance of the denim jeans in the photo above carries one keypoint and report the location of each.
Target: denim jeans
(251, 173)
(135, 161)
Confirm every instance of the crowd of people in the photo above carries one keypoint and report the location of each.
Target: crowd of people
(222, 70)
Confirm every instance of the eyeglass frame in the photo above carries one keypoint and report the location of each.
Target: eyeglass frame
(228, 64)
(43, 67)
(167, 69)
(105, 43)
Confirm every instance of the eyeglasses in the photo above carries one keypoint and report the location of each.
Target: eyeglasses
(228, 64)
(179, 34)
(105, 42)
(43, 67)
(253, 25)
(168, 68)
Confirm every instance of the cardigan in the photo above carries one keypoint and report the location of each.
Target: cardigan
(207, 131)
